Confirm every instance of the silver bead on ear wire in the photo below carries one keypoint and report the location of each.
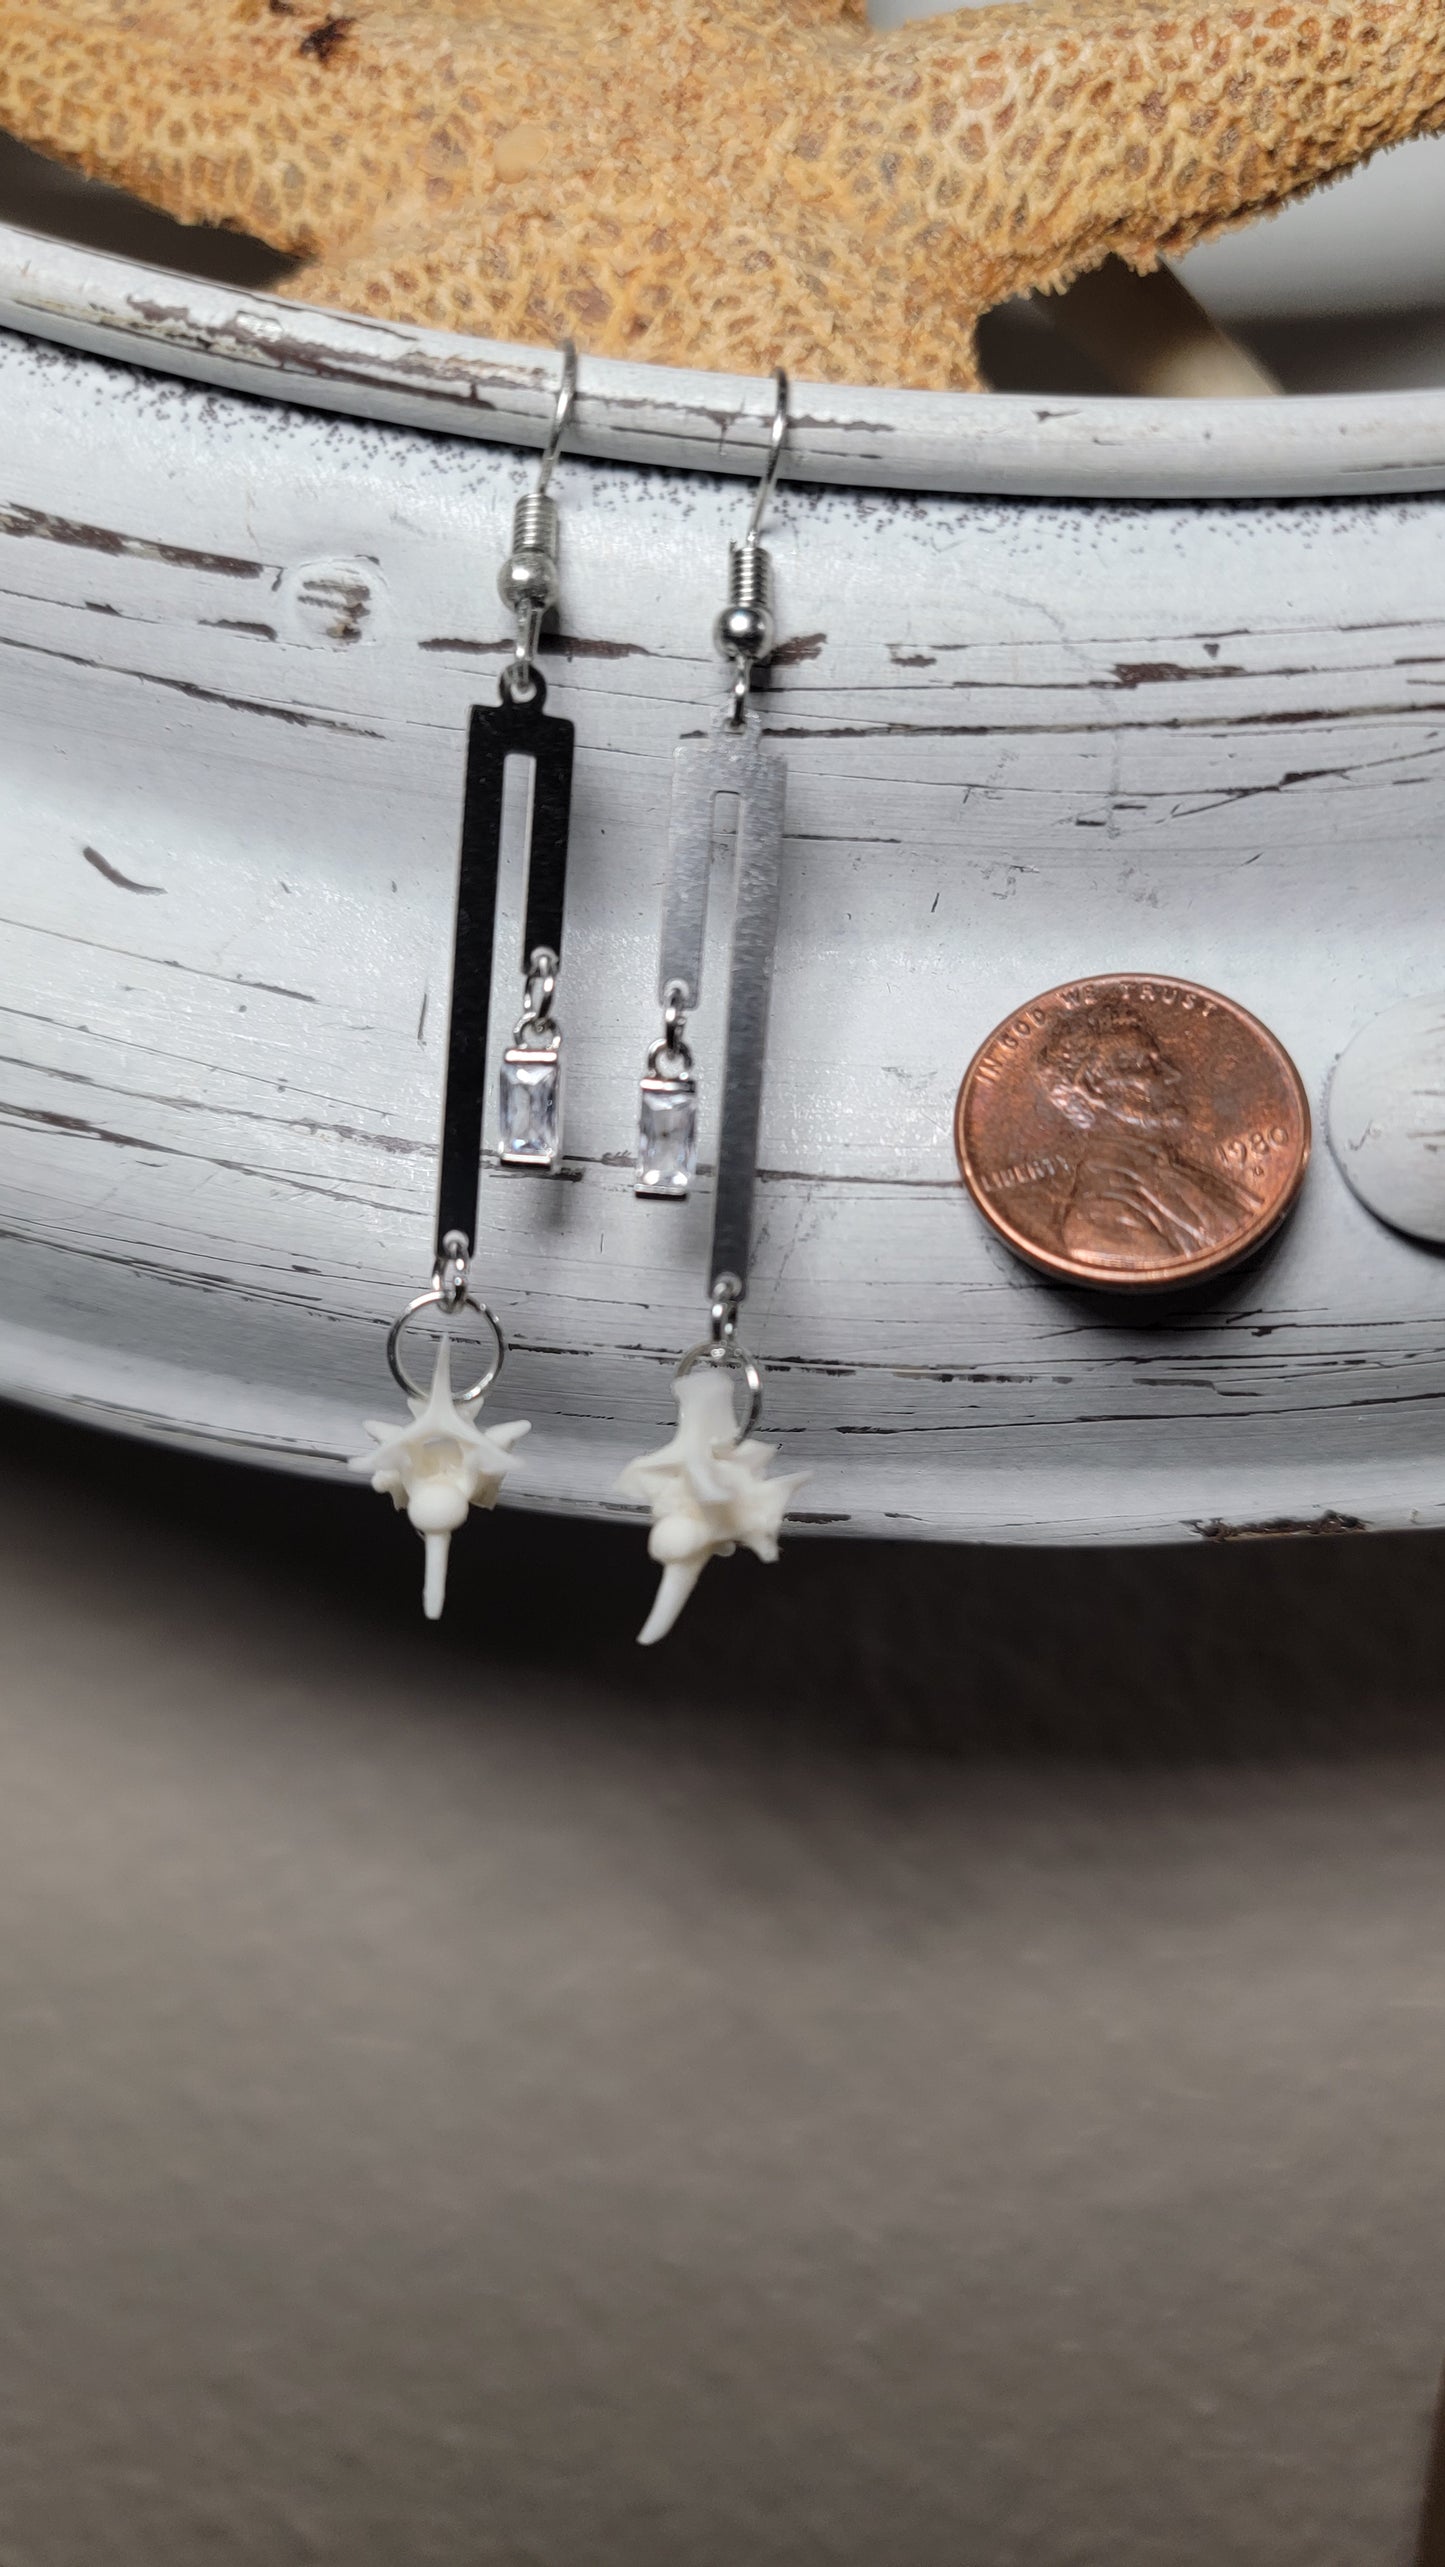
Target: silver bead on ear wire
(744, 633)
(746, 630)
(529, 582)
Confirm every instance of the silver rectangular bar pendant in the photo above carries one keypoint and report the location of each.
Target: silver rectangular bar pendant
(530, 1105)
(758, 777)
(731, 764)
(666, 1138)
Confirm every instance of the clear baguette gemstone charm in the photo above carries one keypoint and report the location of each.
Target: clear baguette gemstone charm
(530, 1105)
(666, 1136)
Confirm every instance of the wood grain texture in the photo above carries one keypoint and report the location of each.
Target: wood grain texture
(238, 644)
(1322, 445)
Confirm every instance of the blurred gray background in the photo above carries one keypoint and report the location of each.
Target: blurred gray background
(943, 2063)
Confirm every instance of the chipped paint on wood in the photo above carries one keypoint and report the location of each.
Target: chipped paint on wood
(1285, 1528)
(1312, 445)
(1030, 741)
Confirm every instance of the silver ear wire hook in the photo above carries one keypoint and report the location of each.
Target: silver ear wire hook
(777, 441)
(561, 413)
(527, 583)
(745, 631)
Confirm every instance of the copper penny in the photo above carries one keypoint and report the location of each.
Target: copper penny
(1132, 1131)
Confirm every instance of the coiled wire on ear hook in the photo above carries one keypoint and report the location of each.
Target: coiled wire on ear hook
(746, 629)
(528, 583)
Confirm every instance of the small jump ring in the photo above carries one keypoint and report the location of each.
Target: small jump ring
(731, 1358)
(522, 681)
(724, 1302)
(436, 1300)
(520, 674)
(542, 969)
(452, 1267)
(672, 1049)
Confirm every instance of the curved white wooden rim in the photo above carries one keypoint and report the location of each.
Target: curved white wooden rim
(239, 641)
(1346, 445)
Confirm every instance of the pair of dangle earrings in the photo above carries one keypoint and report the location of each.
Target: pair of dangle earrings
(706, 1488)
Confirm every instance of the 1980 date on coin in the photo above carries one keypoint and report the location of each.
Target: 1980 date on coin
(1133, 1132)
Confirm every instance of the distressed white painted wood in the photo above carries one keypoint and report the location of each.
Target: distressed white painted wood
(238, 640)
(1349, 444)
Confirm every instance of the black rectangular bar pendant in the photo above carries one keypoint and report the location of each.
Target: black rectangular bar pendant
(506, 729)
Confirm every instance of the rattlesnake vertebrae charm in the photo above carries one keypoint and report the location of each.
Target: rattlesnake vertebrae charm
(438, 1467)
(707, 1492)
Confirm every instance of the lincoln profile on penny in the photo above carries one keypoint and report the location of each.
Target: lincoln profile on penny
(1132, 1133)
(1138, 1192)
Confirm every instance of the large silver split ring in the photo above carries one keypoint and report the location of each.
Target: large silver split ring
(729, 1357)
(449, 1304)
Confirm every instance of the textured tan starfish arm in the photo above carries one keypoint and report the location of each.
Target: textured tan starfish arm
(280, 117)
(1041, 138)
(715, 182)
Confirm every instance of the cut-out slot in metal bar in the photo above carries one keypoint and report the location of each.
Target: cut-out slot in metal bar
(701, 770)
(510, 728)
(729, 763)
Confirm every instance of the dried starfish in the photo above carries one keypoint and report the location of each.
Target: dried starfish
(729, 183)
